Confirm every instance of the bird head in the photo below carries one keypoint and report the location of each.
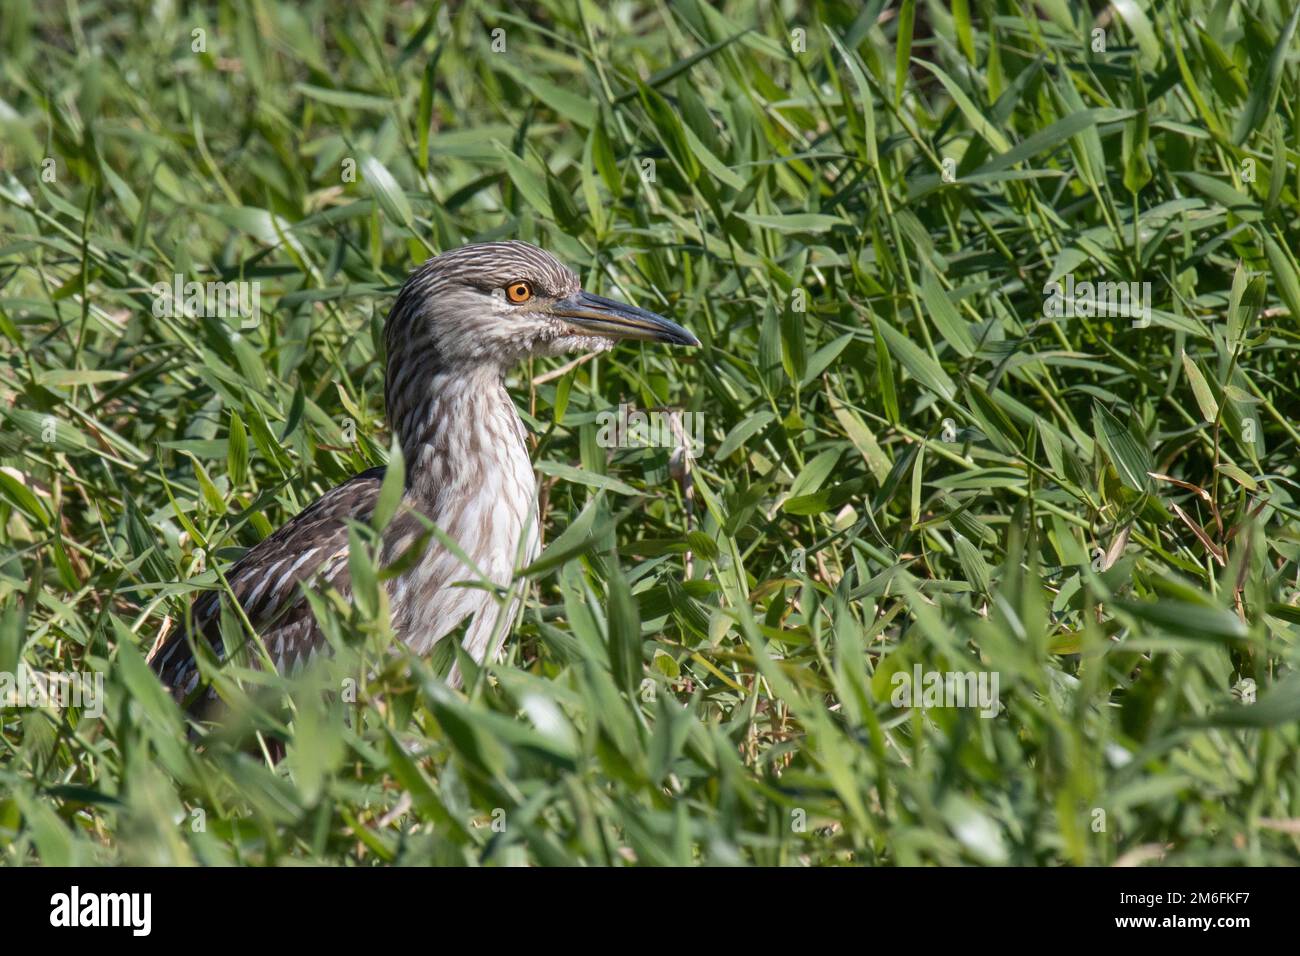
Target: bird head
(497, 303)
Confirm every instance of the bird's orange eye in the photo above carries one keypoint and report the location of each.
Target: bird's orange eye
(519, 292)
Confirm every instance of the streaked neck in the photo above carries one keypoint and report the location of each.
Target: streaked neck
(456, 426)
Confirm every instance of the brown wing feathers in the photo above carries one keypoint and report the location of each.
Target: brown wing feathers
(267, 581)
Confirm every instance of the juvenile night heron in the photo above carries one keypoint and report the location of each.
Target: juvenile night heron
(460, 322)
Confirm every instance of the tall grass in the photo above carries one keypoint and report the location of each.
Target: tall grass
(908, 460)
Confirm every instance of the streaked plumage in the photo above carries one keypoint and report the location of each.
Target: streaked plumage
(453, 333)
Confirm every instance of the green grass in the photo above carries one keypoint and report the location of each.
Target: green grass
(906, 462)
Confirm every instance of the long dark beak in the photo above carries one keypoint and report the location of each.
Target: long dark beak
(597, 315)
